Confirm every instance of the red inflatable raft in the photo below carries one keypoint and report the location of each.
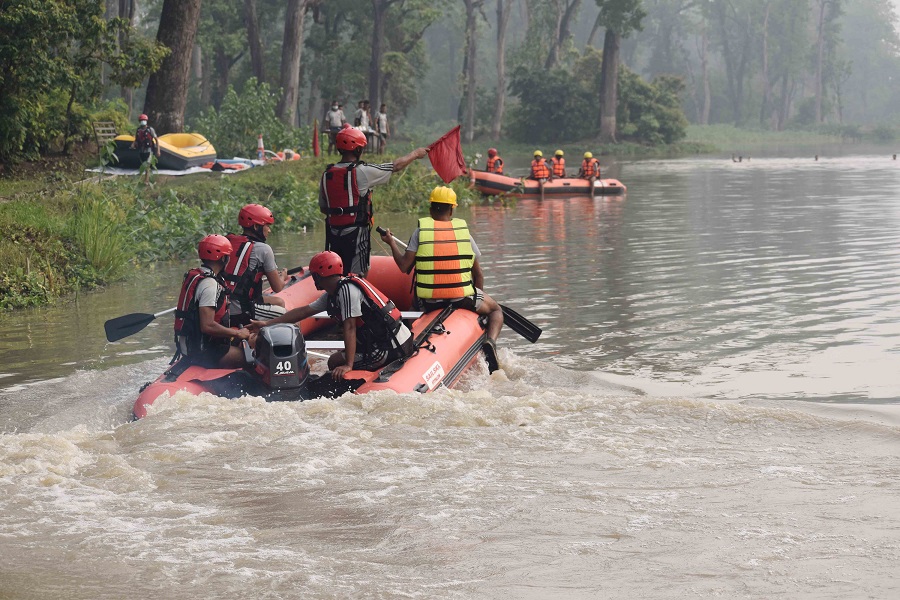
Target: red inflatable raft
(492, 184)
(447, 342)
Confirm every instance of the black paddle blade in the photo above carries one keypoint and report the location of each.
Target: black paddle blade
(520, 324)
(122, 327)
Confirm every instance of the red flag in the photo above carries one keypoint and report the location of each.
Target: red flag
(316, 149)
(446, 156)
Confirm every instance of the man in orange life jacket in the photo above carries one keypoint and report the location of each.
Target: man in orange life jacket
(590, 168)
(202, 330)
(345, 197)
(494, 162)
(251, 260)
(539, 169)
(558, 164)
(447, 267)
(374, 334)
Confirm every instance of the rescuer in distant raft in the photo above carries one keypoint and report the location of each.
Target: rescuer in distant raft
(345, 197)
(558, 164)
(494, 162)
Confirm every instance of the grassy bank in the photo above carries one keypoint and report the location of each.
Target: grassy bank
(59, 235)
(577, 148)
(729, 136)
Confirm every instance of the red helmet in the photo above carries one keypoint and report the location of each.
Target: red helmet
(492, 152)
(349, 139)
(255, 214)
(142, 118)
(326, 263)
(214, 247)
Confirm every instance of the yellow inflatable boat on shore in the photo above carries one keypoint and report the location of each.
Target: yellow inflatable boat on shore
(178, 151)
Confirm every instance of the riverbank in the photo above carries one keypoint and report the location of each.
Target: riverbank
(64, 232)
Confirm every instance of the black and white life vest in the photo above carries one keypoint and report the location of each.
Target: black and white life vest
(242, 282)
(377, 328)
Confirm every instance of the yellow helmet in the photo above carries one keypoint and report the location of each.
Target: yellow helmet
(559, 153)
(443, 195)
(538, 153)
(588, 155)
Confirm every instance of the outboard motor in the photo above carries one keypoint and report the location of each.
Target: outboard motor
(281, 362)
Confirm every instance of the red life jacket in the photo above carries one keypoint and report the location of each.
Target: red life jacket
(380, 320)
(559, 166)
(539, 169)
(495, 165)
(187, 313)
(590, 167)
(242, 283)
(345, 206)
(144, 137)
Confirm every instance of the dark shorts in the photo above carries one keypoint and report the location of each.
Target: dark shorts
(353, 245)
(375, 360)
(209, 357)
(145, 156)
(472, 302)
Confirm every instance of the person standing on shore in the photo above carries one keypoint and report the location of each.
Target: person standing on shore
(146, 142)
(382, 129)
(334, 120)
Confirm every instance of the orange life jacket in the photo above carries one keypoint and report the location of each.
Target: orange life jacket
(187, 312)
(559, 166)
(495, 165)
(539, 169)
(241, 282)
(345, 206)
(590, 167)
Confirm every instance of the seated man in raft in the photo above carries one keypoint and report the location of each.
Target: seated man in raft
(447, 267)
(374, 334)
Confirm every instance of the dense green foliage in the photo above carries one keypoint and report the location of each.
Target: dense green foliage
(69, 237)
(647, 112)
(242, 117)
(51, 57)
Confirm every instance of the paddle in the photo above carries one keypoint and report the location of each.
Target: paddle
(122, 327)
(511, 318)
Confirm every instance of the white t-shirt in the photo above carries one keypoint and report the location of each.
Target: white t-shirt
(207, 292)
(381, 122)
(335, 118)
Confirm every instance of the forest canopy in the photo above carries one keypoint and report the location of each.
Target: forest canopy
(532, 70)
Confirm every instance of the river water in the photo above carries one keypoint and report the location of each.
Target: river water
(711, 412)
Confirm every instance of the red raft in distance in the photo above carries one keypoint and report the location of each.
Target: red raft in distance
(491, 184)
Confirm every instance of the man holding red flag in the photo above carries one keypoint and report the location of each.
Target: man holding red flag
(345, 197)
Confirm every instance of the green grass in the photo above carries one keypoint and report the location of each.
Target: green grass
(726, 136)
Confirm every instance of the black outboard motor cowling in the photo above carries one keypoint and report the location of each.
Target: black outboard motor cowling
(281, 361)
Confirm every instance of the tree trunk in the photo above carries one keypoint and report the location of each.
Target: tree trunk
(594, 30)
(820, 59)
(379, 15)
(609, 80)
(167, 88)
(469, 70)
(205, 77)
(223, 66)
(290, 61)
(126, 11)
(564, 15)
(704, 65)
(503, 10)
(767, 85)
(257, 63)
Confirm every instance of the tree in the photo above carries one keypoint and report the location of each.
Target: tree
(291, 51)
(167, 88)
(621, 17)
(467, 102)
(503, 10)
(257, 62)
